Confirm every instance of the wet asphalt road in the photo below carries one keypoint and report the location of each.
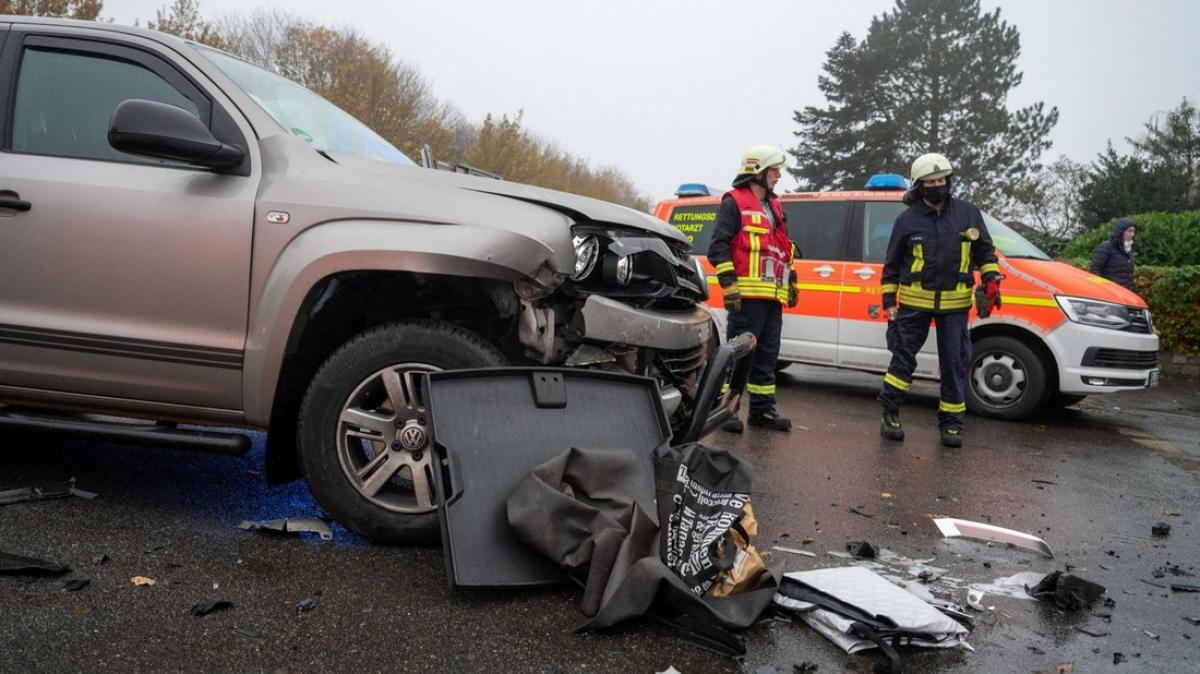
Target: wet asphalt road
(1116, 465)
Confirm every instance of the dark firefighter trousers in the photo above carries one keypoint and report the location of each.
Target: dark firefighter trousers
(764, 319)
(905, 337)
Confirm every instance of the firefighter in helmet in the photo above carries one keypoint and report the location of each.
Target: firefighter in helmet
(928, 277)
(753, 254)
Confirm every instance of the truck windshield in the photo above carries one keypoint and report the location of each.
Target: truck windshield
(1009, 242)
(325, 126)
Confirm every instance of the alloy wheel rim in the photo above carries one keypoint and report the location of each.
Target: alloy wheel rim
(384, 440)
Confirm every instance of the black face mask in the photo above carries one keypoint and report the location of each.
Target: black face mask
(935, 195)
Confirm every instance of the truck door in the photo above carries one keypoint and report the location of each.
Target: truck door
(862, 342)
(810, 329)
(120, 277)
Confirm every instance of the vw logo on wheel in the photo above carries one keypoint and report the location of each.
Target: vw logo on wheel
(412, 437)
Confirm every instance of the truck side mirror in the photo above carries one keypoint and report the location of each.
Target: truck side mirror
(152, 129)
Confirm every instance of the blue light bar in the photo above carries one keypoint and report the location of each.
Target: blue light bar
(693, 190)
(888, 181)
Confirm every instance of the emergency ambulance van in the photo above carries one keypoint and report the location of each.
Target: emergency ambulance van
(1062, 334)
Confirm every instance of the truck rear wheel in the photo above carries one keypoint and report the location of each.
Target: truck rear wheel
(365, 444)
(1006, 380)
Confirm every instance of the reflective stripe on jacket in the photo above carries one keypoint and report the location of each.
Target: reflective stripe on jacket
(930, 256)
(758, 253)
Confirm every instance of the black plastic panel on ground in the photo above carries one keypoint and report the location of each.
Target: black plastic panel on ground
(491, 427)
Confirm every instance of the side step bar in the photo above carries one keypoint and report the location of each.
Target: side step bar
(144, 434)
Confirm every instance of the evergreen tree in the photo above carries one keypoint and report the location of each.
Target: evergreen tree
(930, 76)
(1175, 144)
(1118, 185)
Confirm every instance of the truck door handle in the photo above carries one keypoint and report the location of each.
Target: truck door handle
(823, 271)
(15, 204)
(863, 273)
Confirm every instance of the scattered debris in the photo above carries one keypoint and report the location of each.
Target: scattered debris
(1184, 587)
(1064, 668)
(29, 566)
(1172, 569)
(862, 549)
(807, 540)
(1150, 634)
(1035, 650)
(805, 667)
(1161, 529)
(1068, 592)
(75, 584)
(246, 633)
(142, 581)
(306, 604)
(856, 511)
(858, 609)
(291, 525)
(99, 559)
(885, 495)
(975, 600)
(1168, 513)
(1090, 632)
(794, 551)
(1192, 619)
(208, 607)
(1118, 658)
(36, 493)
(951, 527)
(1044, 482)
(1150, 582)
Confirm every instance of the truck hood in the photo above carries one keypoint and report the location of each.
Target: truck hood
(1059, 278)
(576, 207)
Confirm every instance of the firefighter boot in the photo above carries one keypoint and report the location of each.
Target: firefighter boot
(891, 428)
(771, 421)
(734, 425)
(951, 437)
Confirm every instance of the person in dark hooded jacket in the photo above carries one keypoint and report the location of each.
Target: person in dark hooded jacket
(1113, 259)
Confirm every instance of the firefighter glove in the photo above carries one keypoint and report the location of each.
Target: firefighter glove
(987, 296)
(733, 298)
(793, 295)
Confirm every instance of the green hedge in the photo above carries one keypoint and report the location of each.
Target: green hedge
(1164, 239)
(1173, 294)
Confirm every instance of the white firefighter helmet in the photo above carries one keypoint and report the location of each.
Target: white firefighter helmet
(757, 159)
(930, 166)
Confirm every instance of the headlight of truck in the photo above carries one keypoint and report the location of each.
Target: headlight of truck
(1095, 312)
(587, 251)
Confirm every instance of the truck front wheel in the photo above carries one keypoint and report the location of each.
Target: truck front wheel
(1006, 380)
(365, 442)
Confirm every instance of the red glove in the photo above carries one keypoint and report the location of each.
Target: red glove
(987, 298)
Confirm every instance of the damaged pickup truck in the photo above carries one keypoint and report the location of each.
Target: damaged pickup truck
(186, 238)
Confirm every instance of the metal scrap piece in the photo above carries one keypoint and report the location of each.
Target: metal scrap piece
(44, 493)
(952, 527)
(794, 551)
(297, 525)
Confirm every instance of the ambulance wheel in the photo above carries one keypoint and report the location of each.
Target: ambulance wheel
(1061, 400)
(365, 442)
(1006, 380)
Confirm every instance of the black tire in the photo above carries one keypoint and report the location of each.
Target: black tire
(1006, 379)
(359, 382)
(1061, 400)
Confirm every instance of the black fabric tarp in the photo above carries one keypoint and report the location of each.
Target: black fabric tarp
(573, 510)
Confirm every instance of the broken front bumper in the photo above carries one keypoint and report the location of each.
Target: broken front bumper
(612, 321)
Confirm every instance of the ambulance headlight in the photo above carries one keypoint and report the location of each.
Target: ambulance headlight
(1094, 312)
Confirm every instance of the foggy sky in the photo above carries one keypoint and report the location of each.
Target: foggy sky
(673, 92)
